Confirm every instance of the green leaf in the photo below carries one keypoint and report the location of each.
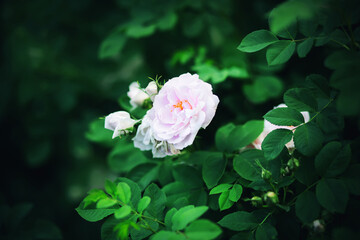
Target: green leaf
(280, 52)
(106, 203)
(156, 207)
(144, 174)
(94, 215)
(266, 232)
(143, 204)
(352, 179)
(122, 212)
(239, 221)
(257, 40)
(221, 137)
(213, 169)
(202, 230)
(307, 208)
(300, 99)
(333, 159)
(224, 201)
(112, 45)
(188, 175)
(263, 88)
(110, 188)
(275, 141)
(123, 192)
(284, 116)
(220, 188)
(97, 133)
(168, 236)
(186, 215)
(287, 13)
(107, 229)
(235, 192)
(318, 85)
(168, 218)
(139, 31)
(245, 164)
(306, 173)
(308, 139)
(332, 194)
(245, 134)
(135, 190)
(304, 47)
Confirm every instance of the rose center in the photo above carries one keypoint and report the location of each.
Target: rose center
(179, 104)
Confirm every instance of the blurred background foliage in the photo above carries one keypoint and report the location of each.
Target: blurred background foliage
(66, 63)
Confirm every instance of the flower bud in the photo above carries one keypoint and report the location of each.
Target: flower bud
(151, 90)
(266, 175)
(293, 163)
(271, 198)
(318, 226)
(256, 201)
(137, 95)
(119, 122)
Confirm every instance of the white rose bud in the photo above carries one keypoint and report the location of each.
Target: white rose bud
(151, 90)
(119, 122)
(137, 95)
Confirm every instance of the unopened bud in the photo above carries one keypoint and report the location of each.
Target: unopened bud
(318, 226)
(293, 163)
(265, 174)
(151, 90)
(256, 201)
(271, 198)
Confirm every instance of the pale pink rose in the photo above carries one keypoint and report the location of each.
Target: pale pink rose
(268, 127)
(183, 106)
(151, 90)
(137, 95)
(119, 122)
(144, 139)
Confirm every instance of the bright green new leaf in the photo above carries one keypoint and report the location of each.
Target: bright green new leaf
(308, 139)
(284, 116)
(220, 188)
(257, 40)
(123, 192)
(300, 99)
(333, 159)
(143, 204)
(224, 201)
(135, 190)
(213, 169)
(221, 137)
(202, 229)
(280, 52)
(245, 134)
(94, 196)
(106, 203)
(275, 141)
(332, 194)
(245, 164)
(239, 221)
(122, 212)
(304, 47)
(235, 192)
(186, 215)
(110, 188)
(307, 208)
(94, 215)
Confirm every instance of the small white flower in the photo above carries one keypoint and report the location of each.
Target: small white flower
(151, 90)
(137, 95)
(119, 122)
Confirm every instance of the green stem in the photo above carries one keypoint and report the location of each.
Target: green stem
(267, 216)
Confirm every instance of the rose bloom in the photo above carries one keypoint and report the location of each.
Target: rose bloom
(268, 127)
(144, 139)
(183, 106)
(119, 122)
(151, 90)
(137, 95)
